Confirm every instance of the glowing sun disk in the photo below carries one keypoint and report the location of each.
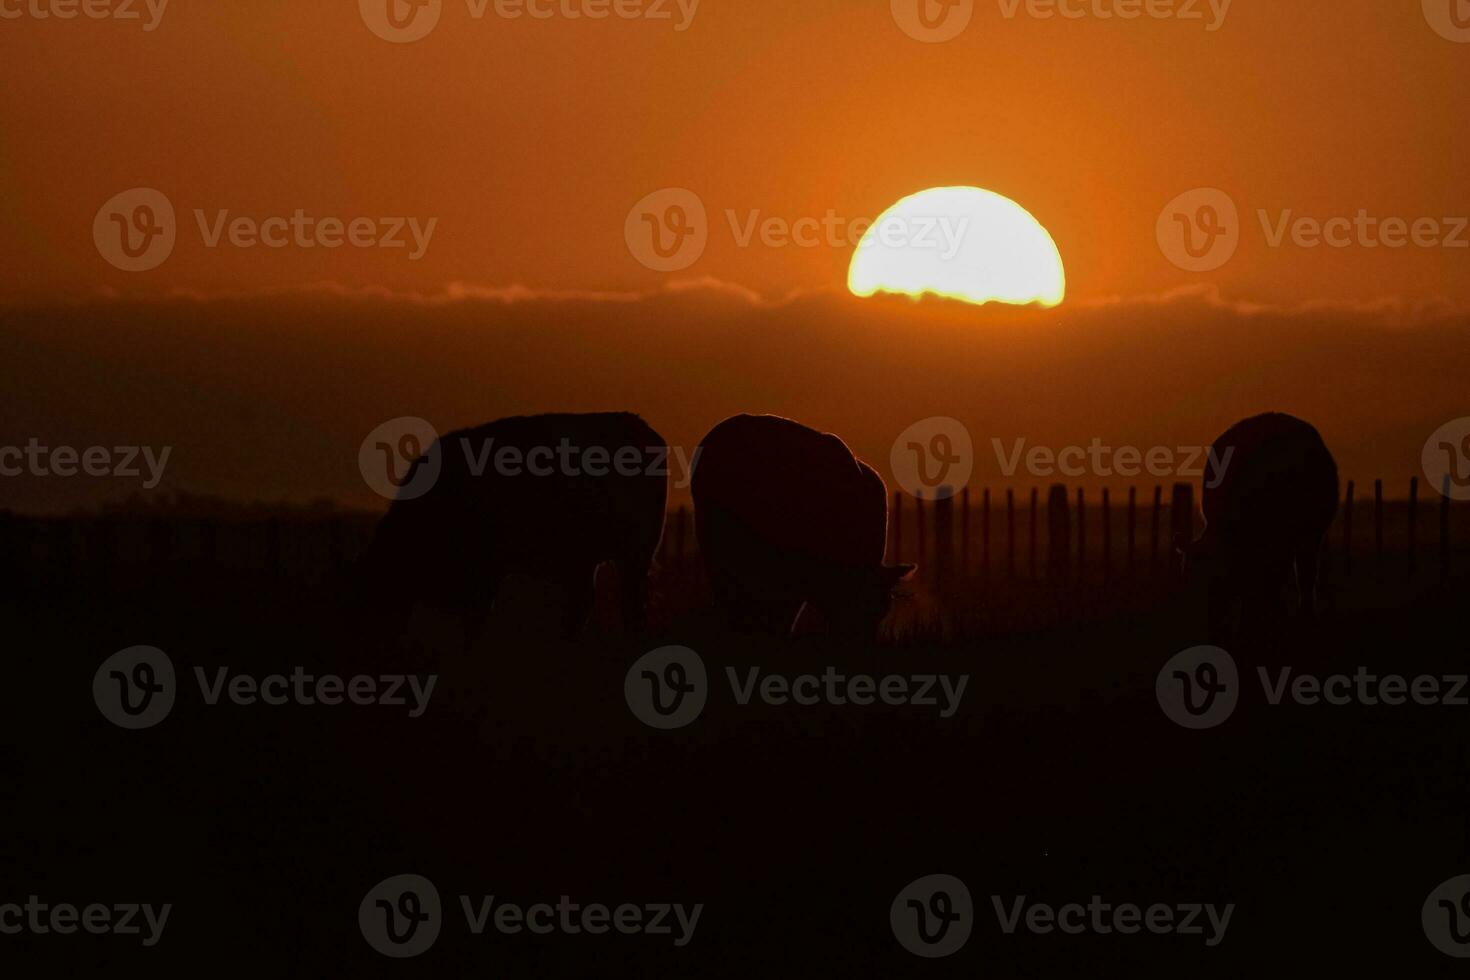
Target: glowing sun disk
(961, 243)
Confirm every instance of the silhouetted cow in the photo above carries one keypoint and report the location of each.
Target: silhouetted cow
(786, 515)
(552, 496)
(1268, 515)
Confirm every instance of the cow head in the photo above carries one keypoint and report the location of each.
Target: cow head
(866, 599)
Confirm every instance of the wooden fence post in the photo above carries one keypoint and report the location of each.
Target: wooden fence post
(985, 535)
(1378, 524)
(1010, 534)
(1081, 536)
(275, 547)
(965, 533)
(1153, 544)
(681, 518)
(1107, 535)
(1347, 531)
(943, 534)
(162, 545)
(921, 536)
(1059, 536)
(14, 562)
(1181, 517)
(1132, 526)
(1444, 531)
(1413, 526)
(101, 556)
(897, 527)
(1031, 546)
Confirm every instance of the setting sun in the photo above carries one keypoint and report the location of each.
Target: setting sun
(961, 243)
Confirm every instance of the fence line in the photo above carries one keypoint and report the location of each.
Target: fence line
(305, 545)
(1076, 550)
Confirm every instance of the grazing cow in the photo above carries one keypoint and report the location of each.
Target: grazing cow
(1266, 517)
(786, 515)
(551, 496)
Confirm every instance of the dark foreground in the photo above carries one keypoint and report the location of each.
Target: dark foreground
(528, 778)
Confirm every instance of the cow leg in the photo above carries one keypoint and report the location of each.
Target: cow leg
(1308, 568)
(476, 613)
(1264, 607)
(763, 615)
(778, 616)
(633, 584)
(579, 584)
(729, 597)
(1219, 603)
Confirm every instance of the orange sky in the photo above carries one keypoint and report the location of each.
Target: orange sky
(530, 140)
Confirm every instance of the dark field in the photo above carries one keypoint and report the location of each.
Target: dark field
(528, 778)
